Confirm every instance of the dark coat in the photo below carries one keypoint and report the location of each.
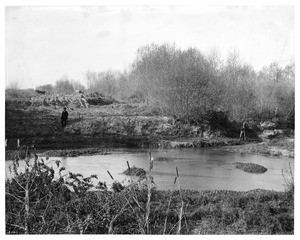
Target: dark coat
(64, 115)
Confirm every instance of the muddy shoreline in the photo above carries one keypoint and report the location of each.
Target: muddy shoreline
(75, 145)
(285, 149)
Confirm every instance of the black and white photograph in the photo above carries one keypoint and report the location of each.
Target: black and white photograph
(149, 119)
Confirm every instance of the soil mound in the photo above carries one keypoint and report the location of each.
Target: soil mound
(75, 100)
(135, 171)
(250, 167)
(96, 98)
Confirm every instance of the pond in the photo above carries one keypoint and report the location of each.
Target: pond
(199, 169)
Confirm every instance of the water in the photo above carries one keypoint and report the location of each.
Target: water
(199, 169)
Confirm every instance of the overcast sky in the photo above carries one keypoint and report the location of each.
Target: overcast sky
(44, 43)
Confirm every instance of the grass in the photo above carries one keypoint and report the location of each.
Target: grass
(135, 171)
(250, 167)
(38, 203)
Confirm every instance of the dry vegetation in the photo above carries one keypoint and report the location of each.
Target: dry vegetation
(191, 85)
(39, 203)
(250, 167)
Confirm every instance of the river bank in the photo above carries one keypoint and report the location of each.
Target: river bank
(279, 146)
(70, 206)
(86, 146)
(115, 125)
(133, 209)
(256, 212)
(122, 125)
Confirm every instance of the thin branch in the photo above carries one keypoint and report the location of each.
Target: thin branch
(110, 229)
(165, 225)
(19, 184)
(14, 197)
(18, 226)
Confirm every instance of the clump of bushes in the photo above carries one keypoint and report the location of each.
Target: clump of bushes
(11, 154)
(135, 171)
(21, 153)
(250, 167)
(96, 98)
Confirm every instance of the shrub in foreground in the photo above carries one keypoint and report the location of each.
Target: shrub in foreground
(39, 202)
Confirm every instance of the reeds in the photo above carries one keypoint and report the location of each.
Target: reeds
(182, 203)
(44, 205)
(288, 177)
(149, 186)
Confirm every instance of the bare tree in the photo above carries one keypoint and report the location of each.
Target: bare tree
(14, 85)
(49, 88)
(177, 81)
(64, 86)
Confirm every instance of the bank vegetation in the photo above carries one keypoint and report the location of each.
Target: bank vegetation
(46, 198)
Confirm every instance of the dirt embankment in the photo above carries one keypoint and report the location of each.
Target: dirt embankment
(94, 127)
(105, 122)
(98, 121)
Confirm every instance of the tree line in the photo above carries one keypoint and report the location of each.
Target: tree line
(189, 84)
(65, 85)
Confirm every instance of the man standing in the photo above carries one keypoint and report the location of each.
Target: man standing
(64, 117)
(243, 132)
